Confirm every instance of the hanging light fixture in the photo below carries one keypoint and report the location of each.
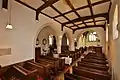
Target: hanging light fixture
(9, 26)
(37, 41)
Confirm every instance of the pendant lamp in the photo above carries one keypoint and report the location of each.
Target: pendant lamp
(9, 26)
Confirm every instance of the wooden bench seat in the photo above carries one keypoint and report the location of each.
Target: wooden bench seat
(95, 61)
(94, 57)
(27, 73)
(54, 64)
(43, 70)
(12, 73)
(61, 61)
(92, 73)
(75, 77)
(94, 66)
(97, 55)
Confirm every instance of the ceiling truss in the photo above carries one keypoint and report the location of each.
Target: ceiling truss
(49, 3)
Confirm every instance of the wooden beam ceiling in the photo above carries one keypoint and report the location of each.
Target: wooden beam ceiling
(60, 14)
(46, 4)
(90, 22)
(90, 6)
(71, 6)
(105, 15)
(49, 3)
(86, 6)
(90, 26)
(19, 1)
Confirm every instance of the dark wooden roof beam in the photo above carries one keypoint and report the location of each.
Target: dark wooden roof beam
(60, 14)
(19, 1)
(105, 15)
(109, 7)
(93, 4)
(71, 6)
(90, 22)
(91, 10)
(46, 4)
(90, 26)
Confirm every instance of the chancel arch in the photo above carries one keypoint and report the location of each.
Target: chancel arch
(88, 38)
(100, 33)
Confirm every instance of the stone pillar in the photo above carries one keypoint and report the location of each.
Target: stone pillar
(71, 44)
(117, 45)
(103, 41)
(59, 41)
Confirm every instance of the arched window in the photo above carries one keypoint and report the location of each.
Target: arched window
(50, 39)
(92, 37)
(67, 41)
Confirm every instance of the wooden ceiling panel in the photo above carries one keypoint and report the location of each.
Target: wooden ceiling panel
(71, 16)
(93, 1)
(74, 27)
(100, 18)
(78, 3)
(62, 6)
(69, 24)
(33, 3)
(78, 22)
(101, 8)
(50, 11)
(82, 25)
(89, 20)
(61, 19)
(84, 12)
(90, 23)
(74, 14)
(100, 23)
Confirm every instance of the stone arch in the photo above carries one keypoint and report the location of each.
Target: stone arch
(43, 27)
(81, 32)
(94, 29)
(48, 28)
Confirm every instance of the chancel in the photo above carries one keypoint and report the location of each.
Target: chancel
(59, 40)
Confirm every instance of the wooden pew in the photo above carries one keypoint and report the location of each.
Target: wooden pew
(61, 61)
(94, 66)
(28, 71)
(95, 61)
(54, 64)
(43, 69)
(94, 57)
(11, 74)
(92, 73)
(75, 77)
(97, 54)
(3, 71)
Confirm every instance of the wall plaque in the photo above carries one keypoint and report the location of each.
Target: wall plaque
(5, 51)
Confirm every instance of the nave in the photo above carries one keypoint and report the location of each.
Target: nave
(59, 39)
(86, 65)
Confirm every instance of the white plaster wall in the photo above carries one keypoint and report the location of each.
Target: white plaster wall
(22, 38)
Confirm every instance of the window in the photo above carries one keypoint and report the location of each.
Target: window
(50, 39)
(67, 41)
(92, 37)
